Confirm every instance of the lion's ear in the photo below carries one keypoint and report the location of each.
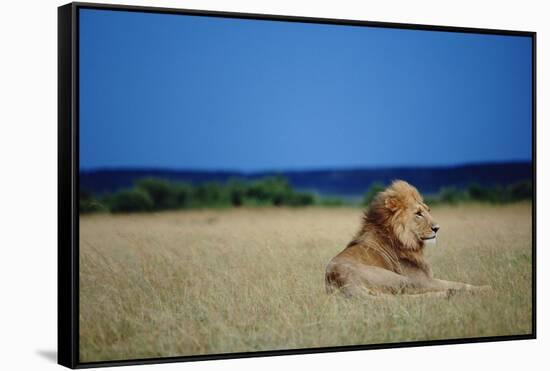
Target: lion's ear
(392, 203)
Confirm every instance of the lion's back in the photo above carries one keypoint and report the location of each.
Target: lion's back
(362, 252)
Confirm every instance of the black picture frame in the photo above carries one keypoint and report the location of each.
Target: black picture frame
(68, 182)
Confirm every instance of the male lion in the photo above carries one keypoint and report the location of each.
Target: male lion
(387, 254)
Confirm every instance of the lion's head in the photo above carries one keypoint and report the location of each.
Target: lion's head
(401, 209)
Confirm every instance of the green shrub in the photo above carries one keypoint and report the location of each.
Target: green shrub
(432, 199)
(88, 203)
(163, 193)
(184, 195)
(480, 193)
(210, 194)
(477, 192)
(520, 191)
(299, 199)
(451, 195)
(236, 189)
(131, 200)
(274, 190)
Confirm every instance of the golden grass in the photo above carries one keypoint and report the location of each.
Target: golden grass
(241, 280)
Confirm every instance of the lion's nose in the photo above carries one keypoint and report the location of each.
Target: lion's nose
(435, 228)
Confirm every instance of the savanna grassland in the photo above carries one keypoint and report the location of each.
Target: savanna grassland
(250, 279)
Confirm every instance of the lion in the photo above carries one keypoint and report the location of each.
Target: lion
(386, 256)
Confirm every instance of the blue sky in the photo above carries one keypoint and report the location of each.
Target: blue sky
(189, 92)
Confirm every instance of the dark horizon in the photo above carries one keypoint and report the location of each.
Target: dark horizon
(310, 169)
(338, 182)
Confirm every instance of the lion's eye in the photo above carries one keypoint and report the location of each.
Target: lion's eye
(418, 213)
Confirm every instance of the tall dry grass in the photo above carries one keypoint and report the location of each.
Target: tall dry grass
(241, 280)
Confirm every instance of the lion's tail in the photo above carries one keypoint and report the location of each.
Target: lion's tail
(332, 281)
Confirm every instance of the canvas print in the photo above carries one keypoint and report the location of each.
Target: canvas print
(260, 185)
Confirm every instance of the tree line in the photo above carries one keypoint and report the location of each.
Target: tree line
(153, 194)
(474, 192)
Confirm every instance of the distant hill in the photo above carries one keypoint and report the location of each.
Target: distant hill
(348, 183)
